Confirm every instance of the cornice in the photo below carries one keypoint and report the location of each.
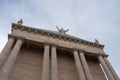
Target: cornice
(58, 35)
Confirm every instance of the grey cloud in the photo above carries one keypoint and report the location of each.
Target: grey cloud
(86, 19)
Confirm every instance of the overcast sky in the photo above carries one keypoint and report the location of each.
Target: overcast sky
(86, 19)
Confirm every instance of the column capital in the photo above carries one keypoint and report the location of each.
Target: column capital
(103, 55)
(16, 37)
(10, 36)
(50, 44)
(53, 45)
(75, 50)
(21, 39)
(46, 44)
(81, 51)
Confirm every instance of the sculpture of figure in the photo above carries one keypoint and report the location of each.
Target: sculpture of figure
(62, 31)
(20, 22)
(96, 41)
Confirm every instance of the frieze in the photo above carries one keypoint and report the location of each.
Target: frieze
(47, 33)
(36, 31)
(29, 30)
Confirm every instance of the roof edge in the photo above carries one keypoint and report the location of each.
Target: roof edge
(57, 34)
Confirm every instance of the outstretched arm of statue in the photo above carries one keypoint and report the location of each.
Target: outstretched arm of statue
(96, 41)
(58, 28)
(67, 30)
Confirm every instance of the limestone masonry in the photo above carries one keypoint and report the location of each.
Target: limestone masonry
(38, 54)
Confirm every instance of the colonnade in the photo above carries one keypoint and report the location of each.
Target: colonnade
(9, 63)
(13, 47)
(82, 68)
(108, 69)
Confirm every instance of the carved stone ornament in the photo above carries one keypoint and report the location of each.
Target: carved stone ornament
(96, 41)
(62, 31)
(20, 22)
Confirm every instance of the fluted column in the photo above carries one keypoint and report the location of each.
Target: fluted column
(7, 67)
(45, 67)
(81, 75)
(111, 68)
(85, 66)
(54, 72)
(105, 67)
(6, 50)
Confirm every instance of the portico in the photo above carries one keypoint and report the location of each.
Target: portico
(56, 56)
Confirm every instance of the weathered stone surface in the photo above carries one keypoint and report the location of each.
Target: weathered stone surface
(96, 70)
(85, 66)
(28, 65)
(47, 55)
(6, 50)
(8, 65)
(54, 67)
(60, 42)
(45, 66)
(80, 72)
(111, 68)
(106, 69)
(66, 67)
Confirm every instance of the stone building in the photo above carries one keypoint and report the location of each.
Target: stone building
(38, 54)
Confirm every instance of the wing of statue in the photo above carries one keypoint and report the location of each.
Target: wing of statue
(58, 28)
(67, 30)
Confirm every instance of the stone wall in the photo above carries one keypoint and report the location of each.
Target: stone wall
(60, 42)
(28, 65)
(96, 70)
(66, 67)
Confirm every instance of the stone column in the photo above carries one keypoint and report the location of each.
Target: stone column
(45, 67)
(79, 68)
(85, 66)
(106, 69)
(111, 68)
(6, 50)
(54, 72)
(7, 67)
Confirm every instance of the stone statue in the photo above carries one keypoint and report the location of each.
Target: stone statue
(62, 31)
(96, 41)
(20, 22)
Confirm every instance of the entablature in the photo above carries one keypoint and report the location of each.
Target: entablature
(55, 34)
(39, 44)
